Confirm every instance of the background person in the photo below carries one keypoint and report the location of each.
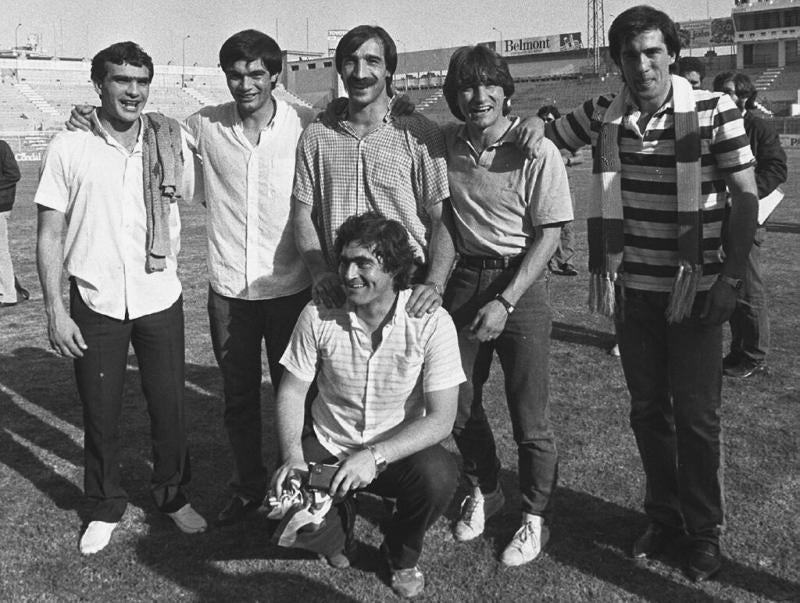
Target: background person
(693, 70)
(750, 320)
(10, 289)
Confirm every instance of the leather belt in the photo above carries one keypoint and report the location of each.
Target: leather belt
(491, 263)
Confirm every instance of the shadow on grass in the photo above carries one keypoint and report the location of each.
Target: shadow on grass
(40, 423)
(580, 335)
(787, 227)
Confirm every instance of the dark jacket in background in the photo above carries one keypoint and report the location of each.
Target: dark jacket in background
(770, 158)
(9, 175)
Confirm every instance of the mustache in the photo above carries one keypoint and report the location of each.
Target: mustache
(368, 81)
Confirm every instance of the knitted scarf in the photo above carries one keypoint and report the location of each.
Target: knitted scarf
(605, 221)
(162, 160)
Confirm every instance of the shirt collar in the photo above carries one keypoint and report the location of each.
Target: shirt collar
(99, 130)
(398, 316)
(463, 135)
(237, 119)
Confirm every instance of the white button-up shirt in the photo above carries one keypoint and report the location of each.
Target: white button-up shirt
(366, 395)
(251, 247)
(98, 185)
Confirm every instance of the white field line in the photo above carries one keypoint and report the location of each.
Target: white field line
(45, 416)
(62, 467)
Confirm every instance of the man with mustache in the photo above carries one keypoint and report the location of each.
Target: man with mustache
(364, 158)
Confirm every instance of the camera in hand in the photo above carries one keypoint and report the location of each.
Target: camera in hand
(321, 475)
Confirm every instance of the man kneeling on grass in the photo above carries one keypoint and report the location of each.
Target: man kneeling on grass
(388, 385)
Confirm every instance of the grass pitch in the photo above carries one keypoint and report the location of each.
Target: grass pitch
(597, 508)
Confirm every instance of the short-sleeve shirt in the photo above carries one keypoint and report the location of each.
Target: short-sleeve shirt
(649, 187)
(499, 196)
(398, 169)
(97, 184)
(251, 247)
(365, 396)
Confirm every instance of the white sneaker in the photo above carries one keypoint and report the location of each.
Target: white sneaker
(96, 537)
(188, 520)
(527, 543)
(476, 508)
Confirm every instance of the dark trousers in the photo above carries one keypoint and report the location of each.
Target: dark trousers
(524, 352)
(674, 375)
(100, 374)
(238, 327)
(750, 320)
(422, 485)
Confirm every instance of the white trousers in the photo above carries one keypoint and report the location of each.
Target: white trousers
(8, 294)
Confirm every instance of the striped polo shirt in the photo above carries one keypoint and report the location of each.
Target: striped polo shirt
(366, 395)
(649, 189)
(398, 169)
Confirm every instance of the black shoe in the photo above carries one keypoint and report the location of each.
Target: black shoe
(235, 511)
(7, 304)
(745, 369)
(704, 560)
(22, 292)
(654, 541)
(568, 269)
(731, 360)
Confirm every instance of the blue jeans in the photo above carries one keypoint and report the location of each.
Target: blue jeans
(238, 326)
(674, 375)
(158, 341)
(524, 352)
(750, 320)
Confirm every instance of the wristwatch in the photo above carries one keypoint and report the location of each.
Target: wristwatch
(380, 460)
(506, 304)
(736, 283)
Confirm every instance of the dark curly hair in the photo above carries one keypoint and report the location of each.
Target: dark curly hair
(636, 21)
(119, 54)
(387, 239)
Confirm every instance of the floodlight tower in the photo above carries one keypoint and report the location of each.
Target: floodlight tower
(596, 30)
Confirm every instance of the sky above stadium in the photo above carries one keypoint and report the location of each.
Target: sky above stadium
(81, 28)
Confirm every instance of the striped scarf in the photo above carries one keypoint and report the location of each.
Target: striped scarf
(605, 222)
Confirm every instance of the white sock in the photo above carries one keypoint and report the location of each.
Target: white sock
(96, 537)
(534, 519)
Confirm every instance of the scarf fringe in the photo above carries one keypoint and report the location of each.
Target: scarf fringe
(684, 290)
(601, 294)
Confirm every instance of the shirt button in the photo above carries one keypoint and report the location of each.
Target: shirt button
(360, 426)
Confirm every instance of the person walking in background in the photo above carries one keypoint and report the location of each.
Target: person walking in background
(693, 70)
(561, 261)
(10, 289)
(750, 320)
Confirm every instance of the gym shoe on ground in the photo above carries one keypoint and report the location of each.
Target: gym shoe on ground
(96, 537)
(476, 508)
(188, 520)
(527, 543)
(654, 541)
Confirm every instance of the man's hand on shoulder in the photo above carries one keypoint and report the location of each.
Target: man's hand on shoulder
(401, 105)
(424, 298)
(327, 290)
(528, 136)
(80, 118)
(333, 110)
(720, 303)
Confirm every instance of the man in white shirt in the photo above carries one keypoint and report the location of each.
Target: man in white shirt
(258, 282)
(120, 253)
(388, 385)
